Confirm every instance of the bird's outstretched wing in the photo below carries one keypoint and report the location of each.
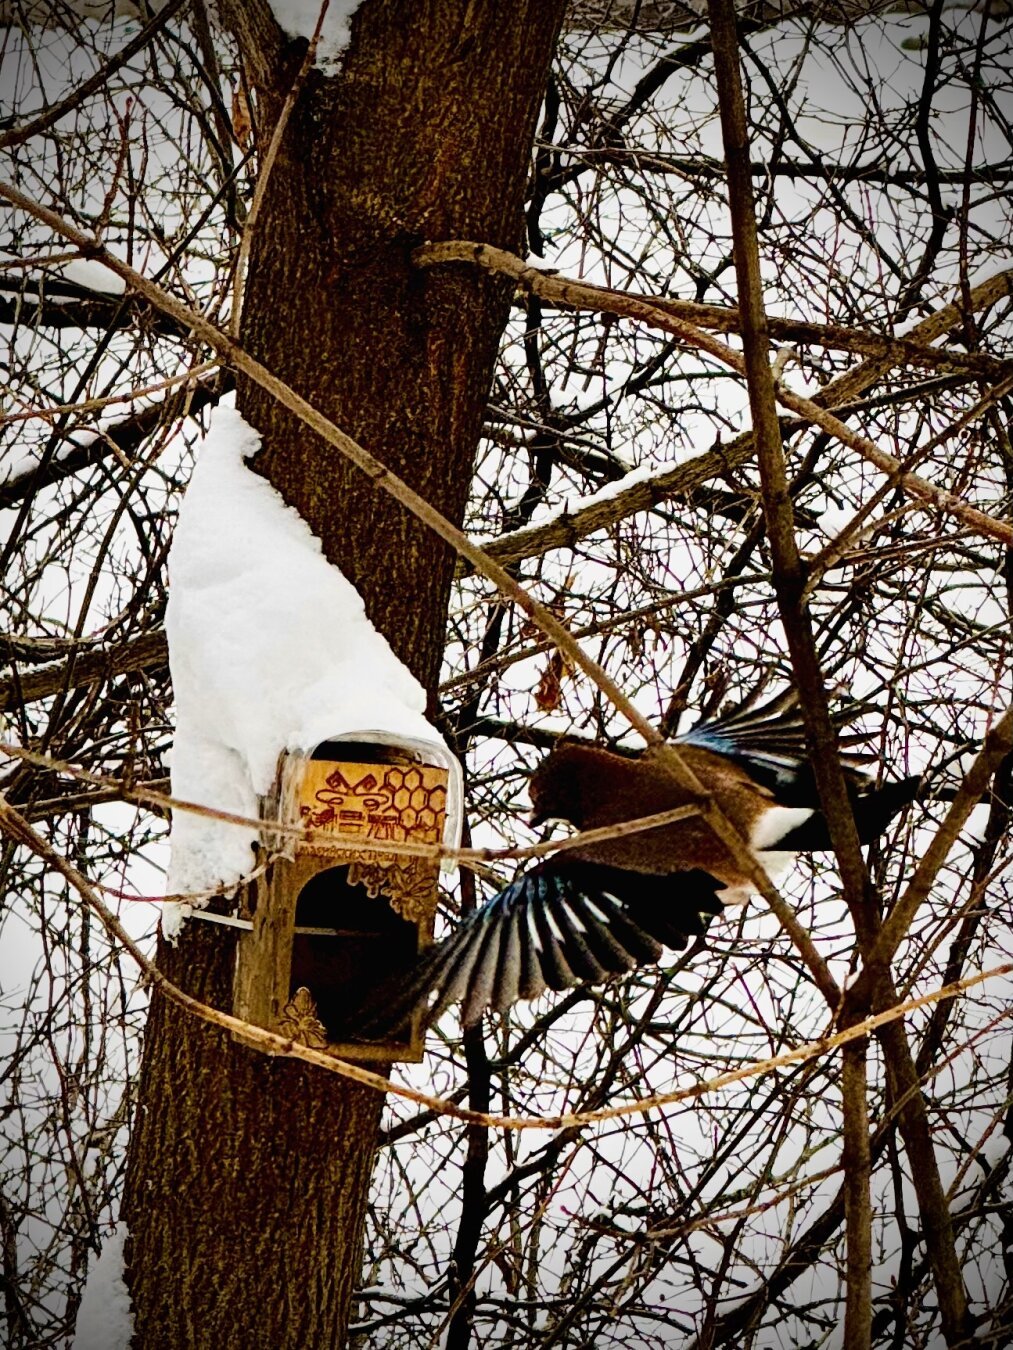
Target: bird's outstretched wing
(561, 924)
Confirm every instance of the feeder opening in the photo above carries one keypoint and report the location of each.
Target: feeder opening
(359, 942)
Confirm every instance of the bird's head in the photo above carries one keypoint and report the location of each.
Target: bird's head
(555, 786)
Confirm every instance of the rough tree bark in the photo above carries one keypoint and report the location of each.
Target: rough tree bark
(248, 1179)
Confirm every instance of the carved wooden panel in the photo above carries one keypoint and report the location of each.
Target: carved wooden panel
(392, 803)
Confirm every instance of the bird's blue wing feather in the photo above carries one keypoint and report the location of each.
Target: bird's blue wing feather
(561, 924)
(771, 747)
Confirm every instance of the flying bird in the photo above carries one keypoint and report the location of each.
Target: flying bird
(604, 908)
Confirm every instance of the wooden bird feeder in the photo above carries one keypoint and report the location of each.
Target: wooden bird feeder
(332, 921)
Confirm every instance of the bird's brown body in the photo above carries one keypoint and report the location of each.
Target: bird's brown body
(591, 787)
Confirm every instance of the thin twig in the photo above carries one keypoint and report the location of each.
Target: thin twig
(270, 155)
(44, 120)
(330, 841)
(583, 295)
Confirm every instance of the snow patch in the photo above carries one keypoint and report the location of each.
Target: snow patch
(92, 275)
(299, 20)
(87, 273)
(104, 1319)
(270, 650)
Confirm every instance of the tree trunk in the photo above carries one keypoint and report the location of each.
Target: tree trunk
(248, 1178)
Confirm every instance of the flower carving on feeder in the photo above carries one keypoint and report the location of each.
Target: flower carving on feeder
(300, 1022)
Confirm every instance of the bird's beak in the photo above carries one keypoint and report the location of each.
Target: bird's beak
(547, 818)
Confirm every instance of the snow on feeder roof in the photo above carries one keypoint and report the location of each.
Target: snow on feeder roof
(271, 652)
